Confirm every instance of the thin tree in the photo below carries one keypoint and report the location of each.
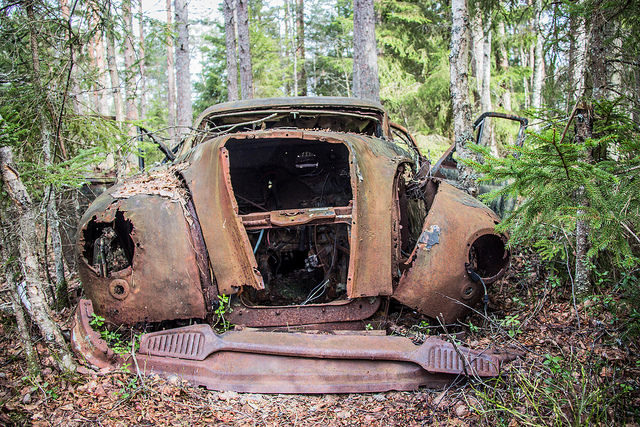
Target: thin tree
(113, 67)
(142, 104)
(130, 82)
(183, 75)
(477, 52)
(28, 240)
(459, 87)
(366, 83)
(171, 78)
(229, 12)
(47, 139)
(301, 76)
(538, 63)
(502, 62)
(244, 50)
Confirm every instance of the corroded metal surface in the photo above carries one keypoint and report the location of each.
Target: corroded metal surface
(436, 281)
(338, 311)
(261, 373)
(162, 281)
(197, 342)
(373, 169)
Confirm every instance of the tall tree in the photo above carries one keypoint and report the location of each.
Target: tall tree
(171, 78)
(143, 75)
(366, 83)
(244, 50)
(459, 86)
(28, 240)
(113, 66)
(229, 13)
(47, 140)
(183, 75)
(502, 62)
(477, 51)
(301, 76)
(538, 63)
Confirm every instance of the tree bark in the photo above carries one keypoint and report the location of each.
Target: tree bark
(459, 87)
(503, 65)
(538, 65)
(477, 53)
(366, 83)
(183, 75)
(75, 90)
(46, 137)
(7, 248)
(171, 79)
(102, 75)
(113, 70)
(301, 76)
(29, 262)
(583, 131)
(598, 66)
(130, 84)
(244, 50)
(580, 58)
(229, 12)
(142, 110)
(486, 63)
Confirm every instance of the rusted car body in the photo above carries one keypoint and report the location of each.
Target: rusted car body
(308, 213)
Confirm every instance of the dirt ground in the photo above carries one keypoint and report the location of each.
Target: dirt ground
(566, 374)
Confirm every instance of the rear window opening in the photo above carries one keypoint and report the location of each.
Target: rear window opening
(300, 265)
(108, 246)
(278, 174)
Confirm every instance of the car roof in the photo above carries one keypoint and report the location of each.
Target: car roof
(323, 102)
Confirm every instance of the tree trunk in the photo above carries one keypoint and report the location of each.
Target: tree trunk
(477, 53)
(143, 76)
(130, 84)
(301, 75)
(366, 83)
(8, 249)
(46, 136)
(580, 58)
(525, 81)
(29, 262)
(113, 70)
(503, 65)
(583, 131)
(102, 76)
(229, 12)
(171, 79)
(486, 63)
(538, 65)
(75, 90)
(598, 67)
(183, 75)
(459, 87)
(244, 50)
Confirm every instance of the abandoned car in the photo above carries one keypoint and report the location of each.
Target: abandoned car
(282, 217)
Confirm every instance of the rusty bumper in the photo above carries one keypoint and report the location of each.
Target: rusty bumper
(264, 362)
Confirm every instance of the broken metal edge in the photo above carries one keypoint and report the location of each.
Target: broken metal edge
(260, 373)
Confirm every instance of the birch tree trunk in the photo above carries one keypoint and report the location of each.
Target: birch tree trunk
(477, 53)
(301, 76)
(486, 63)
(229, 12)
(244, 50)
(503, 65)
(29, 262)
(538, 65)
(75, 90)
(459, 87)
(8, 250)
(366, 83)
(171, 79)
(183, 75)
(47, 137)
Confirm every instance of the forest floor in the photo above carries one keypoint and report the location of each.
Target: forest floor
(567, 374)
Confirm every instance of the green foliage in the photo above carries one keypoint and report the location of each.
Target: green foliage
(546, 175)
(116, 340)
(224, 307)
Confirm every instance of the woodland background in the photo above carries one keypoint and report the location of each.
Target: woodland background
(84, 83)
